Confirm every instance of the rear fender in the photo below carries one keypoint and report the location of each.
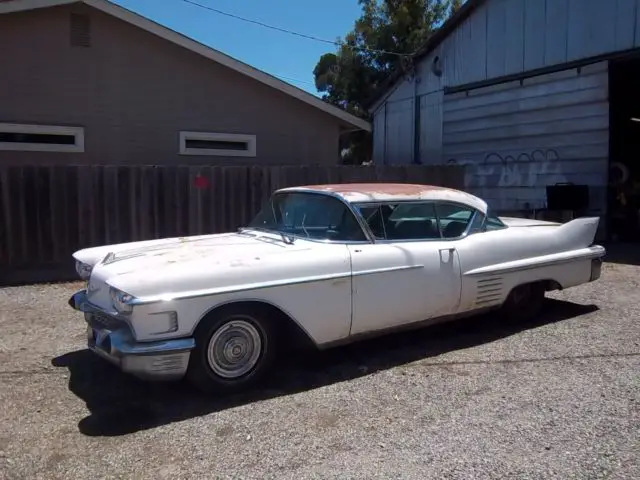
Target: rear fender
(580, 232)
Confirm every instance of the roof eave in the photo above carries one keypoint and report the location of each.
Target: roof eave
(177, 38)
(12, 6)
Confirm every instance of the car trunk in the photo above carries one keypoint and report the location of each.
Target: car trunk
(527, 222)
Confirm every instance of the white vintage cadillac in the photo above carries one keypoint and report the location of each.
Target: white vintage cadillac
(324, 264)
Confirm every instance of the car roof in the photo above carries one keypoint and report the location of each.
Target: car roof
(384, 192)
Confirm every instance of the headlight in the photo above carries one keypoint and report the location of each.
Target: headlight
(121, 301)
(83, 269)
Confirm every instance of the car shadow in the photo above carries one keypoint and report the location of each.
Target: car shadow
(120, 404)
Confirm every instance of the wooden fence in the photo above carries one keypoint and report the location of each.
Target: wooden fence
(46, 213)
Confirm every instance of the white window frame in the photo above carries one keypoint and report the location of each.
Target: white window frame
(77, 132)
(220, 137)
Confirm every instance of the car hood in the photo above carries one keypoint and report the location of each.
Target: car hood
(181, 249)
(142, 268)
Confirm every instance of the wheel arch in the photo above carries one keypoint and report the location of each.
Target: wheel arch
(549, 284)
(296, 336)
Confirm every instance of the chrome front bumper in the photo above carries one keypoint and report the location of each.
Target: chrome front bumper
(110, 337)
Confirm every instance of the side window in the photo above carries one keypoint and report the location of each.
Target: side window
(372, 215)
(477, 224)
(454, 219)
(493, 222)
(401, 221)
(413, 221)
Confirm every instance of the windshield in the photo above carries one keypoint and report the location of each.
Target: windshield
(308, 215)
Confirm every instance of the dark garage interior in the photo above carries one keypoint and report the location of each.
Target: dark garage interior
(624, 150)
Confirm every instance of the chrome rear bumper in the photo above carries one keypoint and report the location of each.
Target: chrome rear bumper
(596, 269)
(110, 337)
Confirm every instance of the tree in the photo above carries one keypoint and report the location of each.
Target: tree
(382, 42)
(455, 6)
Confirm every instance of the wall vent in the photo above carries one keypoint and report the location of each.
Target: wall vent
(79, 30)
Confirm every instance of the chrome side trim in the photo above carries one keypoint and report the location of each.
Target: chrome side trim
(263, 285)
(375, 271)
(595, 251)
(237, 288)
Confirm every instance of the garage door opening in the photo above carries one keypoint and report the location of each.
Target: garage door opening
(624, 151)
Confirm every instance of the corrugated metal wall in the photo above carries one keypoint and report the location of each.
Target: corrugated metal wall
(379, 129)
(504, 37)
(430, 128)
(520, 136)
(399, 132)
(393, 133)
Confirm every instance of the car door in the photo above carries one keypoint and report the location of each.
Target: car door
(410, 274)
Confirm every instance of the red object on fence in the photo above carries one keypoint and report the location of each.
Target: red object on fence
(200, 182)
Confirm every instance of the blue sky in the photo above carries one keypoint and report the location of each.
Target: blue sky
(275, 52)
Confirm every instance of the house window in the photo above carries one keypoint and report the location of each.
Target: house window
(41, 138)
(217, 144)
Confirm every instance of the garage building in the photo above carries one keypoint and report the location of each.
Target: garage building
(530, 95)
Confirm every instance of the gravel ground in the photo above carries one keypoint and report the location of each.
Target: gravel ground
(558, 398)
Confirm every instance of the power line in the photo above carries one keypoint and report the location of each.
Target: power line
(291, 32)
(294, 80)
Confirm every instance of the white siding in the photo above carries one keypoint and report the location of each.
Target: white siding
(518, 137)
(431, 128)
(379, 122)
(399, 132)
(506, 37)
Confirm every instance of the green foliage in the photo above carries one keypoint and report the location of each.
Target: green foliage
(455, 5)
(382, 41)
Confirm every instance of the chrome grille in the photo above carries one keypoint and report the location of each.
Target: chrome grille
(101, 321)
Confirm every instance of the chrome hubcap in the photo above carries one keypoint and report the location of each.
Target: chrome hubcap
(234, 349)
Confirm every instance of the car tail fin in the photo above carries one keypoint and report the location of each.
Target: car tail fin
(580, 232)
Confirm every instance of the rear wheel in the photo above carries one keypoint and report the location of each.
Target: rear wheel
(524, 302)
(234, 350)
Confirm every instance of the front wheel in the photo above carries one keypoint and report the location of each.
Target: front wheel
(234, 349)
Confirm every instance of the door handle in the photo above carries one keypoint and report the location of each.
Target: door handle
(449, 258)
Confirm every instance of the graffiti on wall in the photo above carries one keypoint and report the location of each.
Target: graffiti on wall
(537, 168)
